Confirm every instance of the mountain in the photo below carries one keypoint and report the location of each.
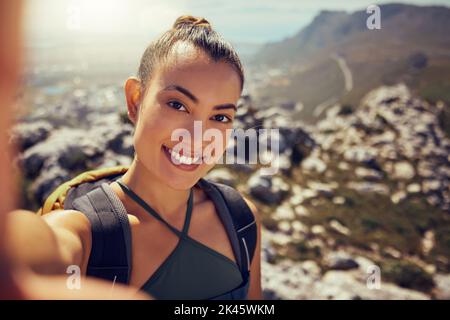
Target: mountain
(336, 58)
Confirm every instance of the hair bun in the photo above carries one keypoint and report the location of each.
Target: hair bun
(190, 21)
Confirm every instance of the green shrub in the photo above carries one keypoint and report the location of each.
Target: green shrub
(407, 275)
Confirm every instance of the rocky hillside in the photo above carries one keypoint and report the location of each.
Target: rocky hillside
(364, 187)
(336, 58)
(374, 191)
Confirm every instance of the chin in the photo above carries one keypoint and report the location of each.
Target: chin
(180, 182)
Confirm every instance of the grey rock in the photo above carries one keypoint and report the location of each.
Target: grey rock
(222, 175)
(267, 189)
(369, 187)
(403, 171)
(25, 135)
(442, 290)
(47, 182)
(340, 261)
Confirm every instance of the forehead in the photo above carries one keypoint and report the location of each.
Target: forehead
(193, 69)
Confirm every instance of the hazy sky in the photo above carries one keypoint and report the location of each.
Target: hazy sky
(238, 20)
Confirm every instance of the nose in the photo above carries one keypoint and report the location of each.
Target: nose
(197, 142)
(190, 138)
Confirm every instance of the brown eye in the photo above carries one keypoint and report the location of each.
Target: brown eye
(176, 105)
(222, 118)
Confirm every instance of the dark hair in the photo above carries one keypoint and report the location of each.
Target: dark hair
(196, 31)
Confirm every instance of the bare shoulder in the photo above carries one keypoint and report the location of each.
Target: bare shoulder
(255, 289)
(253, 208)
(68, 219)
(74, 223)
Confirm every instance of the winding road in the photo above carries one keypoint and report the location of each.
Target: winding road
(348, 81)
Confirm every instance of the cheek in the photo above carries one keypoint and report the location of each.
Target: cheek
(225, 138)
(151, 123)
(153, 129)
(147, 133)
(216, 144)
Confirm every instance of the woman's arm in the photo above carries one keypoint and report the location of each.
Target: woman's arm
(49, 244)
(255, 291)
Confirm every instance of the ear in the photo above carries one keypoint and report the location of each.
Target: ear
(133, 96)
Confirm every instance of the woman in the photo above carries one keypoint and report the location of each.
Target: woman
(189, 74)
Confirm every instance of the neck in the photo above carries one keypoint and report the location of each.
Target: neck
(166, 200)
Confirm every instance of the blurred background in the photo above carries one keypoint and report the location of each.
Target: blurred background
(361, 206)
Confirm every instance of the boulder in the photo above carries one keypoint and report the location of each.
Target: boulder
(340, 261)
(267, 189)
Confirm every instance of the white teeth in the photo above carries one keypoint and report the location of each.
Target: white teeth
(186, 160)
(183, 159)
(175, 155)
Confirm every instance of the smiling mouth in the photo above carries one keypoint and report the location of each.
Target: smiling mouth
(182, 161)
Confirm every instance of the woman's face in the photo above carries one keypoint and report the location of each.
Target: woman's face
(189, 88)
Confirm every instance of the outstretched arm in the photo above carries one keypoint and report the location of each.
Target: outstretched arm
(51, 243)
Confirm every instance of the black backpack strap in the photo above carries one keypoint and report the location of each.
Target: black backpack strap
(110, 256)
(243, 218)
(240, 222)
(83, 188)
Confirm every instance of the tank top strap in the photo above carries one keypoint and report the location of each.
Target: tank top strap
(155, 214)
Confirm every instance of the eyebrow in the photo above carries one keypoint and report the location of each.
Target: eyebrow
(187, 93)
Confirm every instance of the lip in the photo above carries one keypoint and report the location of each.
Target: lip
(182, 166)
